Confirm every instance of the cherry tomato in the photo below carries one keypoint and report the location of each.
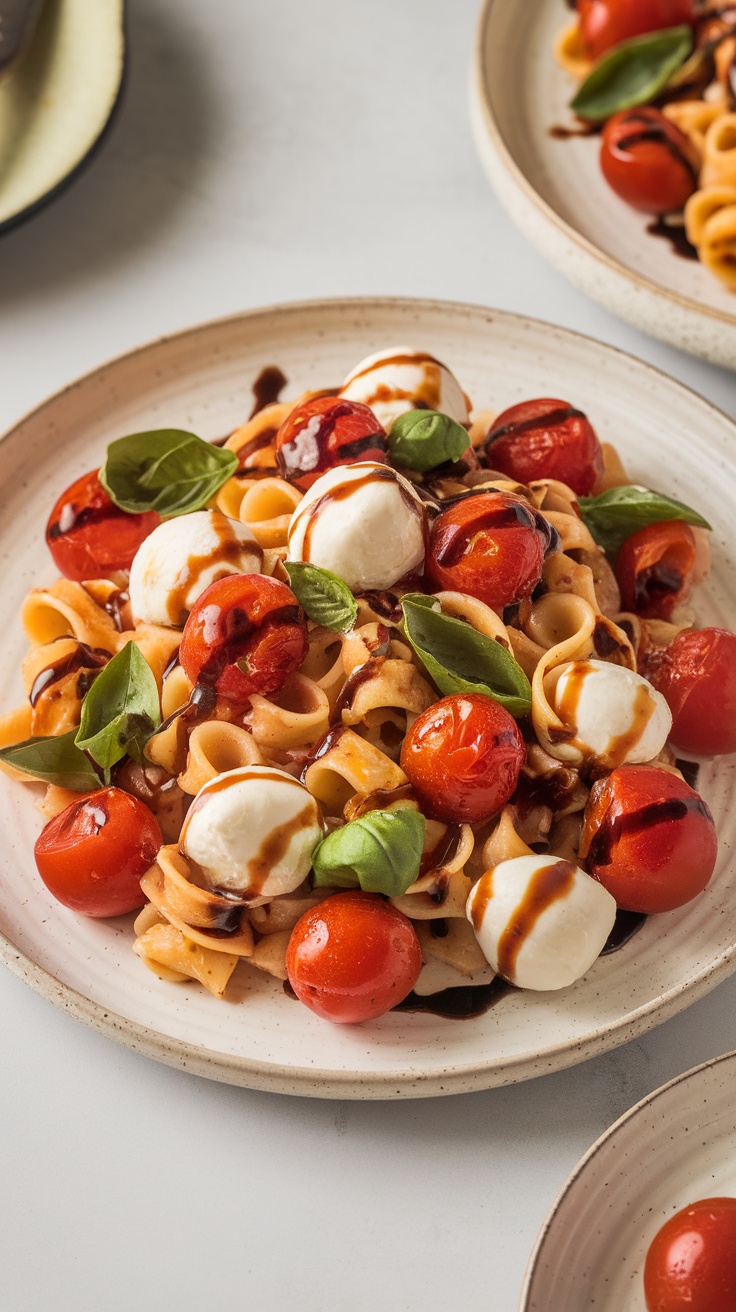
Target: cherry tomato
(490, 544)
(605, 23)
(648, 161)
(691, 1262)
(89, 536)
(353, 957)
(655, 569)
(546, 439)
(697, 676)
(327, 431)
(462, 757)
(648, 838)
(92, 855)
(246, 633)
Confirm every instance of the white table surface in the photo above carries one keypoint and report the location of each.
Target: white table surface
(272, 150)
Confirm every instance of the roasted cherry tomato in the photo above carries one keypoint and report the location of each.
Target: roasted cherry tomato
(462, 757)
(89, 536)
(691, 1262)
(648, 161)
(648, 838)
(546, 439)
(92, 855)
(656, 568)
(697, 676)
(246, 633)
(490, 544)
(353, 957)
(605, 23)
(327, 431)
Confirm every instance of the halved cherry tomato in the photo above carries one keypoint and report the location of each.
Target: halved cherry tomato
(353, 957)
(696, 675)
(92, 855)
(546, 439)
(327, 431)
(648, 161)
(691, 1262)
(462, 757)
(648, 838)
(246, 633)
(605, 23)
(89, 536)
(655, 569)
(490, 544)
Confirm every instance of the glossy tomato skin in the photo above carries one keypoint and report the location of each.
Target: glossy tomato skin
(462, 757)
(605, 23)
(327, 431)
(92, 855)
(648, 838)
(353, 957)
(490, 544)
(648, 161)
(655, 569)
(691, 1262)
(696, 675)
(89, 536)
(546, 438)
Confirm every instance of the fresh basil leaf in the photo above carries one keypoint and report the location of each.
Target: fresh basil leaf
(166, 470)
(121, 709)
(53, 761)
(381, 852)
(616, 514)
(633, 73)
(459, 659)
(423, 439)
(325, 598)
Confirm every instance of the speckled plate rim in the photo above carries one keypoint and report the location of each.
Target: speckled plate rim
(688, 324)
(309, 1081)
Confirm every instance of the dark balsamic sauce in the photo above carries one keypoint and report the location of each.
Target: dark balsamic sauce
(267, 388)
(85, 659)
(689, 771)
(626, 925)
(463, 1003)
(561, 133)
(675, 234)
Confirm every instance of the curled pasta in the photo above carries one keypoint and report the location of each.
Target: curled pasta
(214, 748)
(694, 118)
(348, 765)
(171, 955)
(710, 223)
(197, 912)
(64, 609)
(719, 153)
(296, 715)
(266, 507)
(569, 51)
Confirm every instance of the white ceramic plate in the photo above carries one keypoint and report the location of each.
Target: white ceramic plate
(555, 192)
(201, 380)
(675, 1147)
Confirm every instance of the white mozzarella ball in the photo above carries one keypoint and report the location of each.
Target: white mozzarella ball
(540, 922)
(253, 832)
(364, 522)
(392, 382)
(615, 714)
(176, 562)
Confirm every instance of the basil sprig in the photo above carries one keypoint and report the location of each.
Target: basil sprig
(459, 659)
(325, 598)
(613, 516)
(166, 470)
(423, 439)
(633, 73)
(380, 852)
(121, 710)
(53, 761)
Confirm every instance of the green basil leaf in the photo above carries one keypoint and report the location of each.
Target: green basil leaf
(381, 852)
(121, 709)
(325, 598)
(633, 73)
(53, 761)
(459, 659)
(615, 515)
(423, 439)
(166, 470)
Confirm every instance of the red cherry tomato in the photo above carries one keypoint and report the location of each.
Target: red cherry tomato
(490, 544)
(246, 633)
(696, 675)
(327, 431)
(691, 1262)
(462, 757)
(89, 536)
(605, 23)
(353, 957)
(92, 855)
(648, 161)
(648, 838)
(546, 439)
(655, 569)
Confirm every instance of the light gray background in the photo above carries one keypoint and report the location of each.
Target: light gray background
(272, 150)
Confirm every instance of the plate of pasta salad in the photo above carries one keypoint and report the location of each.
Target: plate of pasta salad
(608, 129)
(369, 699)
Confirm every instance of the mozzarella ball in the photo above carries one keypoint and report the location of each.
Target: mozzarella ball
(364, 522)
(253, 832)
(176, 562)
(540, 922)
(615, 715)
(392, 382)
